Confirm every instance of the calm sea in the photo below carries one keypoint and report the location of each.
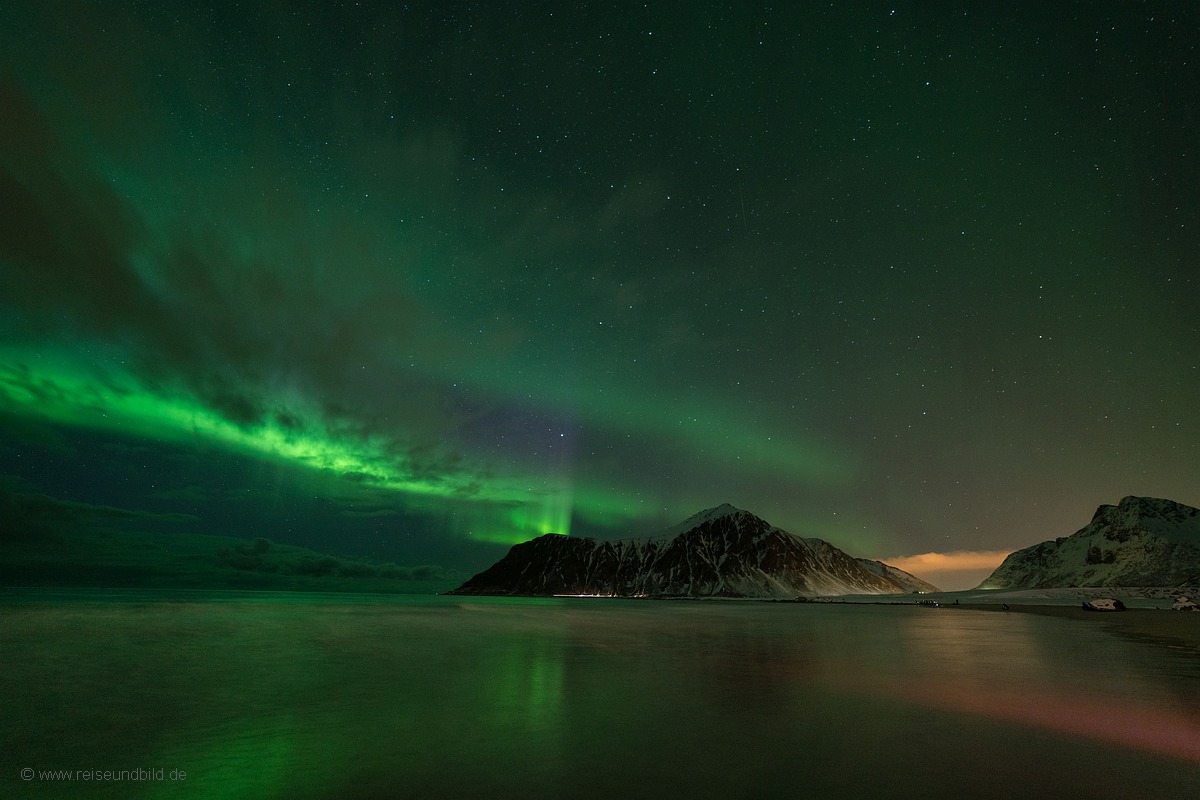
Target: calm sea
(144, 695)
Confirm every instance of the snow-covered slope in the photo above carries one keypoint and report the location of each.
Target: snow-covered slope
(1142, 541)
(720, 552)
(907, 581)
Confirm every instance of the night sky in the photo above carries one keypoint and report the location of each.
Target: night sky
(421, 280)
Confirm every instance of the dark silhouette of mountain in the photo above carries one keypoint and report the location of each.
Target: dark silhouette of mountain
(720, 552)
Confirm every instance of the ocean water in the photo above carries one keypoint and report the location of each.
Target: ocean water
(145, 695)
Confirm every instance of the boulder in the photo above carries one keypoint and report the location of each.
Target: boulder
(1103, 604)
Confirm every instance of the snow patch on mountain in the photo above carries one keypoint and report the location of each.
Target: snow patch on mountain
(701, 517)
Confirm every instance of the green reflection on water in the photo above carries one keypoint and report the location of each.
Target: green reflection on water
(248, 761)
(527, 688)
(386, 696)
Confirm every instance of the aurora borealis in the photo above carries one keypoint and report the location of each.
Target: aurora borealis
(423, 280)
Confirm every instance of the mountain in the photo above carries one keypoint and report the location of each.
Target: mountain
(906, 581)
(720, 552)
(1141, 541)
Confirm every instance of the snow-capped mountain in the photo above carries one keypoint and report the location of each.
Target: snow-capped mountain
(1142, 541)
(720, 552)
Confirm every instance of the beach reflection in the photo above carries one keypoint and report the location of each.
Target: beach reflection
(446, 698)
(1037, 672)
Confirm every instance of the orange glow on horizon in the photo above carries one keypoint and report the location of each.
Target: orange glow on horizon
(953, 561)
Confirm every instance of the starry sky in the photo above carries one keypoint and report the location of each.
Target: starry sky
(422, 280)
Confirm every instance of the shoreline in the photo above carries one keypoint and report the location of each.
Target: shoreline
(1148, 615)
(1175, 628)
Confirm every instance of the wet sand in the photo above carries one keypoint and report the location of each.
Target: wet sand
(1175, 628)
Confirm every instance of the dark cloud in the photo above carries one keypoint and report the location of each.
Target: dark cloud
(66, 236)
(32, 515)
(185, 494)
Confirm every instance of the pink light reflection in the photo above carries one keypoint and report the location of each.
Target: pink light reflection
(1114, 720)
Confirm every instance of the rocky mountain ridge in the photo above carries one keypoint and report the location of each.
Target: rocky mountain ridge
(1141, 541)
(720, 552)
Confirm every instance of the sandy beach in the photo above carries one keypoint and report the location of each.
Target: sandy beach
(1175, 628)
(1148, 615)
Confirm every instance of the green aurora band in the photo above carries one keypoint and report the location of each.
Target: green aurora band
(62, 391)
